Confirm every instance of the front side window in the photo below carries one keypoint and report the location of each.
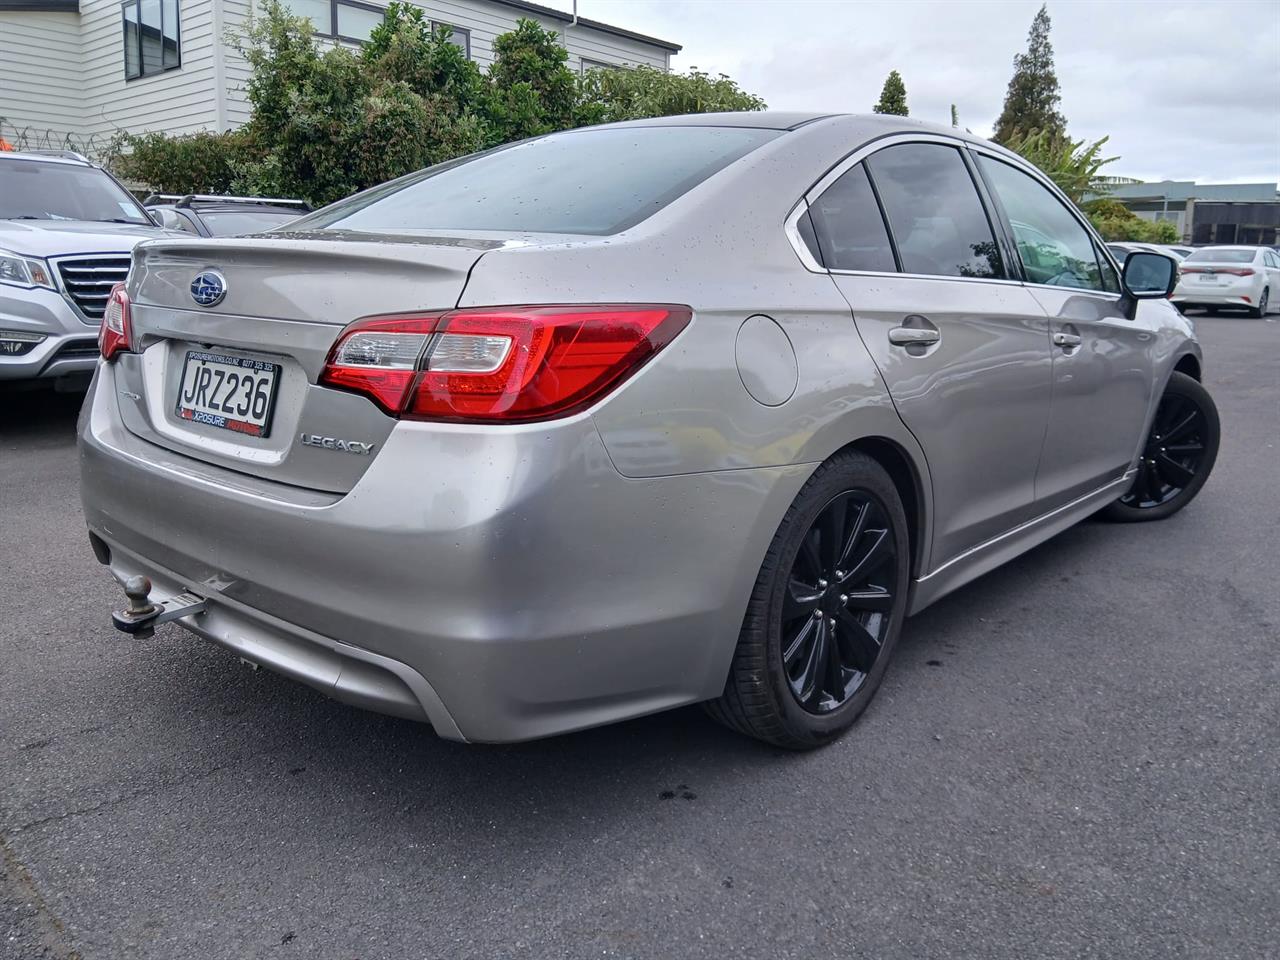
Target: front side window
(934, 212)
(1110, 282)
(1054, 246)
(586, 181)
(848, 228)
(152, 43)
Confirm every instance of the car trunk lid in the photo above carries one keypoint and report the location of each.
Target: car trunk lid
(282, 304)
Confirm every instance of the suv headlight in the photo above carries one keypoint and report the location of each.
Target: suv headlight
(21, 271)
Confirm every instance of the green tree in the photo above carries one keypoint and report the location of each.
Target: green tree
(1075, 166)
(531, 90)
(893, 96)
(1114, 221)
(327, 121)
(1032, 100)
(605, 96)
(955, 116)
(405, 47)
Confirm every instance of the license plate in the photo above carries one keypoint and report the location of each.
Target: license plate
(1208, 278)
(233, 393)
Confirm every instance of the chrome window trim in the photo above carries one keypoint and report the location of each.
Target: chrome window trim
(791, 227)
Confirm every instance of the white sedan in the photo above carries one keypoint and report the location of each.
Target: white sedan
(1214, 277)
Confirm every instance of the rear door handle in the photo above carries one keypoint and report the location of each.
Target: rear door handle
(907, 336)
(1067, 340)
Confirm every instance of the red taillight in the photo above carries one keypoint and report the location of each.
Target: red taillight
(1238, 271)
(114, 335)
(499, 364)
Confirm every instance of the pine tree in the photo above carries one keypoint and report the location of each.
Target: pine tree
(893, 97)
(955, 116)
(1033, 97)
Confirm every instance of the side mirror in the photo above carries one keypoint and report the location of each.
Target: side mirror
(1146, 276)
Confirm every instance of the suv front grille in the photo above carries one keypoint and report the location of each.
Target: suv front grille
(88, 281)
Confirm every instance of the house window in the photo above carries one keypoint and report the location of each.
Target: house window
(151, 38)
(459, 36)
(588, 64)
(355, 21)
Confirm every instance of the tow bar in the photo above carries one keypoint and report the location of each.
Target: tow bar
(143, 615)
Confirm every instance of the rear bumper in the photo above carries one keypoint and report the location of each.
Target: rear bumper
(502, 583)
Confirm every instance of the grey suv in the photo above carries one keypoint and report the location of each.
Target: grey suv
(67, 230)
(624, 418)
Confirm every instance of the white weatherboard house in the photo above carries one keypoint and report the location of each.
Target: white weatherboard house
(84, 69)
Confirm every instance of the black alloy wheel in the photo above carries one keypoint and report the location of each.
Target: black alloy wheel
(1174, 453)
(839, 598)
(1180, 451)
(826, 610)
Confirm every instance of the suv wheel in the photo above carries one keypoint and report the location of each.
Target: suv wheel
(826, 610)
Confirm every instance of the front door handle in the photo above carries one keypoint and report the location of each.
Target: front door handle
(1067, 339)
(911, 336)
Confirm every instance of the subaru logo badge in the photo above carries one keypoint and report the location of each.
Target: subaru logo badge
(208, 288)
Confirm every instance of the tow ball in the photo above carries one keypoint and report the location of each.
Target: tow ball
(143, 614)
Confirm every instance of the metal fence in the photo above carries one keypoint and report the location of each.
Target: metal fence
(14, 137)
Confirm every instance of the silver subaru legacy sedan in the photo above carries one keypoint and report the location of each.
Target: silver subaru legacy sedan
(693, 409)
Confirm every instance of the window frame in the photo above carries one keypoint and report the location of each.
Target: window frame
(991, 206)
(333, 33)
(143, 73)
(820, 255)
(868, 149)
(457, 32)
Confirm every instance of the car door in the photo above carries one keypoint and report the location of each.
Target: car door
(962, 350)
(1103, 375)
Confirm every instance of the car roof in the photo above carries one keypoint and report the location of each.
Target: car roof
(44, 158)
(860, 126)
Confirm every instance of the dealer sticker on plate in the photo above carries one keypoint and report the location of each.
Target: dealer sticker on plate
(234, 393)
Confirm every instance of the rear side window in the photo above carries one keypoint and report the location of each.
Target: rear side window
(586, 181)
(849, 229)
(934, 211)
(1055, 248)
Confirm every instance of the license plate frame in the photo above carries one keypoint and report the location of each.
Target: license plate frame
(223, 419)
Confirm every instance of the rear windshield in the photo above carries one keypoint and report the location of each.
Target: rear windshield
(32, 190)
(234, 223)
(587, 181)
(1222, 256)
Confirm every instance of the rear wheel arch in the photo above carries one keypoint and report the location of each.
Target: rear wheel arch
(908, 481)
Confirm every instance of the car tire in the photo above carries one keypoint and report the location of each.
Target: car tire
(1260, 311)
(808, 693)
(1179, 454)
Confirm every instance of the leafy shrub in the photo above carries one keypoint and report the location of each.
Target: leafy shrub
(606, 96)
(328, 122)
(196, 163)
(1072, 164)
(531, 88)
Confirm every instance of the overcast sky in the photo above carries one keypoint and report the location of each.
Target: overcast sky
(1187, 91)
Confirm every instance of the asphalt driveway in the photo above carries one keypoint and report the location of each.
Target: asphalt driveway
(1076, 756)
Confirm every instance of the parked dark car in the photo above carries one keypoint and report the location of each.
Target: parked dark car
(214, 216)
